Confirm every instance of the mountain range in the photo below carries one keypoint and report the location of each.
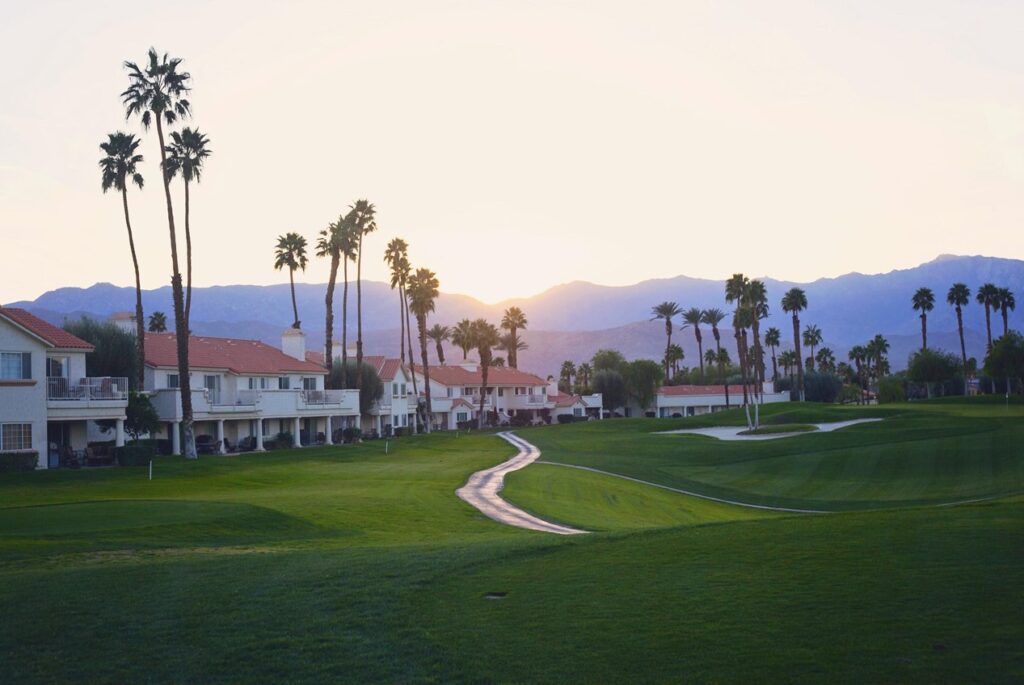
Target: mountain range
(573, 320)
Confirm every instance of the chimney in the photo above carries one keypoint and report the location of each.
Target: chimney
(124, 320)
(293, 343)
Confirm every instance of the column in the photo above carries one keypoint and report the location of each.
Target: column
(259, 435)
(176, 438)
(380, 425)
(328, 438)
(220, 436)
(119, 435)
(295, 432)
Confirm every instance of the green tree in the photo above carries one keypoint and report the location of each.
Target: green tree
(812, 338)
(291, 253)
(510, 342)
(156, 94)
(462, 337)
(676, 355)
(485, 339)
(959, 296)
(924, 302)
(565, 375)
(773, 338)
(826, 360)
(373, 387)
(608, 360)
(1006, 359)
(114, 350)
(423, 289)
(157, 322)
(438, 334)
(758, 303)
(932, 367)
(667, 311)
(584, 372)
(119, 167)
(643, 378)
(186, 154)
(513, 321)
(612, 387)
(140, 417)
(794, 302)
(988, 297)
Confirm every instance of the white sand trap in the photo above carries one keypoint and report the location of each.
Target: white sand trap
(733, 432)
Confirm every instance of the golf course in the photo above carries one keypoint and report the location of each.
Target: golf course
(702, 562)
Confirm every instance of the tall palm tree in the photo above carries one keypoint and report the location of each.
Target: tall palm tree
(694, 316)
(187, 153)
(583, 374)
(348, 243)
(876, 350)
(794, 302)
(737, 291)
(404, 270)
(514, 320)
(364, 219)
(423, 291)
(1007, 303)
(826, 360)
(119, 168)
(959, 296)
(924, 301)
(439, 334)
(667, 311)
(291, 253)
(787, 358)
(988, 296)
(394, 253)
(511, 343)
(675, 355)
(758, 302)
(773, 338)
(566, 373)
(857, 355)
(485, 339)
(713, 317)
(157, 322)
(812, 338)
(462, 337)
(330, 244)
(156, 93)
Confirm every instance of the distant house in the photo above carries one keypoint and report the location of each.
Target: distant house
(47, 403)
(694, 400)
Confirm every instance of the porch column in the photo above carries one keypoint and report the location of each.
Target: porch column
(176, 438)
(380, 425)
(296, 427)
(259, 435)
(220, 436)
(328, 438)
(119, 433)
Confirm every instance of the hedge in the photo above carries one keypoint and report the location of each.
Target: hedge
(18, 461)
(134, 454)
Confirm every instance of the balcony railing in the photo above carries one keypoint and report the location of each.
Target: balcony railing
(242, 398)
(316, 398)
(86, 389)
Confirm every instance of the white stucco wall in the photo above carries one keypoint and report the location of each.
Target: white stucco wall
(25, 403)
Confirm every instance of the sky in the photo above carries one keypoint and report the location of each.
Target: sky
(519, 145)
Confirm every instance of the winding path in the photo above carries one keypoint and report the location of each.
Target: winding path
(482, 488)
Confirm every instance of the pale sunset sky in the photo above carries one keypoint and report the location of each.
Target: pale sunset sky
(518, 145)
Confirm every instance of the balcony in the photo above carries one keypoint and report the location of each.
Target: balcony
(103, 389)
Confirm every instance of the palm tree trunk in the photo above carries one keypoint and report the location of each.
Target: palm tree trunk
(758, 358)
(408, 333)
(422, 323)
(741, 353)
(295, 305)
(721, 366)
(359, 314)
(181, 332)
(775, 367)
(329, 316)
(700, 351)
(440, 352)
(401, 324)
(188, 262)
(924, 331)
(484, 368)
(668, 345)
(344, 325)
(799, 357)
(513, 354)
(963, 347)
(140, 321)
(988, 325)
(1006, 322)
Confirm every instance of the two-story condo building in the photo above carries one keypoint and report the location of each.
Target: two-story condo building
(245, 391)
(47, 403)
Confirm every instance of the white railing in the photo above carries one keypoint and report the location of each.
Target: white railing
(321, 398)
(243, 398)
(535, 399)
(87, 389)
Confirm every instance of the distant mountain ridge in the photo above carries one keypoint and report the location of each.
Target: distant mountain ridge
(572, 320)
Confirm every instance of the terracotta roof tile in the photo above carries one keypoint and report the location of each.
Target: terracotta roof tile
(56, 337)
(456, 375)
(237, 356)
(698, 390)
(564, 400)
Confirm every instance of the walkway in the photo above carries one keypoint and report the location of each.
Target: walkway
(733, 432)
(482, 488)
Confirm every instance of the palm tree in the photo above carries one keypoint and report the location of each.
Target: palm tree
(186, 154)
(513, 345)
(959, 296)
(988, 295)
(694, 316)
(291, 252)
(583, 374)
(439, 334)
(713, 317)
(737, 291)
(462, 337)
(666, 311)
(857, 355)
(876, 350)
(498, 363)
(826, 360)
(119, 169)
(330, 244)
(773, 338)
(157, 322)
(485, 338)
(812, 338)
(787, 358)
(794, 302)
(394, 254)
(758, 302)
(924, 302)
(365, 222)
(566, 373)
(404, 270)
(156, 94)
(514, 320)
(348, 243)
(1007, 303)
(423, 291)
(675, 355)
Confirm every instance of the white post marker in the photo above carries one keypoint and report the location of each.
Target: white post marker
(151, 469)
(386, 443)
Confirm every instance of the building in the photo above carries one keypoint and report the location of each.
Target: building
(245, 392)
(694, 400)
(47, 402)
(455, 392)
(395, 411)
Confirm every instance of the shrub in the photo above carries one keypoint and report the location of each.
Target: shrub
(137, 454)
(822, 387)
(18, 461)
(890, 389)
(565, 418)
(520, 420)
(351, 434)
(465, 425)
(398, 432)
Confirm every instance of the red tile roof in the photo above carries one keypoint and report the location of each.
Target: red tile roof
(316, 358)
(698, 390)
(54, 336)
(237, 356)
(387, 368)
(458, 402)
(564, 400)
(456, 375)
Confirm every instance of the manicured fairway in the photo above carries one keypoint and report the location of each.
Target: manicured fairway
(347, 564)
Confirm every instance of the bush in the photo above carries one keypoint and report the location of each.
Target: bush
(521, 420)
(18, 461)
(822, 387)
(465, 425)
(890, 389)
(137, 454)
(565, 418)
(351, 434)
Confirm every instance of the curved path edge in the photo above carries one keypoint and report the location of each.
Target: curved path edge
(482, 488)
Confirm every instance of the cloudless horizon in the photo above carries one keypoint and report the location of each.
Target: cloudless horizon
(517, 147)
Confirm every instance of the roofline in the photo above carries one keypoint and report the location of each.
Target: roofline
(40, 338)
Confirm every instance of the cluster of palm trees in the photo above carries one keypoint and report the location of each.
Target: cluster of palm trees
(157, 94)
(575, 378)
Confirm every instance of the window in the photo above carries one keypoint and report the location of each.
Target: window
(520, 391)
(462, 417)
(15, 436)
(450, 392)
(394, 389)
(577, 411)
(57, 367)
(501, 392)
(173, 381)
(467, 391)
(405, 390)
(309, 383)
(284, 383)
(15, 366)
(259, 383)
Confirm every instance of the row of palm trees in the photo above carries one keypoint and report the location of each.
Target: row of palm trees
(157, 94)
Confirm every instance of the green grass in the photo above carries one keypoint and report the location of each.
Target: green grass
(779, 428)
(348, 564)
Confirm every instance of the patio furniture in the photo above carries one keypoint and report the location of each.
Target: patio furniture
(205, 444)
